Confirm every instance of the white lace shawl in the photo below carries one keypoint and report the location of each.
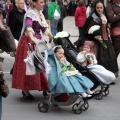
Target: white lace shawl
(33, 14)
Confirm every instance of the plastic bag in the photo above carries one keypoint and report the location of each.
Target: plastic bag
(56, 15)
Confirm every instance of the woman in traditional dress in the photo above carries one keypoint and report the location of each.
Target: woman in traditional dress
(105, 56)
(34, 26)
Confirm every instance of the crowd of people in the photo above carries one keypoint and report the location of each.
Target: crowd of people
(30, 20)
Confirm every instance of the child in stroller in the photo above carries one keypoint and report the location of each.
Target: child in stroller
(88, 59)
(71, 54)
(70, 80)
(66, 83)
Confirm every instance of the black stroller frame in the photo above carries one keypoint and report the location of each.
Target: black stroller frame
(71, 53)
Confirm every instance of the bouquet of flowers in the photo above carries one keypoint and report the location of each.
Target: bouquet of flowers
(60, 35)
(95, 30)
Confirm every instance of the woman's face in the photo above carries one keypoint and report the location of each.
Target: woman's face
(99, 8)
(39, 4)
(59, 54)
(86, 48)
(21, 4)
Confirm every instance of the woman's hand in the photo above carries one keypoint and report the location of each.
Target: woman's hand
(50, 35)
(36, 41)
(98, 37)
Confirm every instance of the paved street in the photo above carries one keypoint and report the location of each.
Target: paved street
(15, 108)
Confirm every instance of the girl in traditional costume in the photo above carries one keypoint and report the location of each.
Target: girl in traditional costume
(88, 59)
(64, 78)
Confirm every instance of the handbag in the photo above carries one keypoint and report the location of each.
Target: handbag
(115, 31)
(35, 59)
(30, 67)
(39, 55)
(7, 42)
(4, 89)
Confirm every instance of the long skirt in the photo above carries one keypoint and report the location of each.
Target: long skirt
(19, 79)
(107, 57)
(72, 84)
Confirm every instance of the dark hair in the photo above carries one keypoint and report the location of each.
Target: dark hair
(57, 48)
(45, 1)
(60, 2)
(81, 3)
(53, 0)
(105, 13)
(34, 0)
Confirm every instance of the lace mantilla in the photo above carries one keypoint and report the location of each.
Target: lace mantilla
(35, 16)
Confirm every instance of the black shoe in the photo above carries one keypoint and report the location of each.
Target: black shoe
(45, 94)
(11, 71)
(113, 83)
(28, 97)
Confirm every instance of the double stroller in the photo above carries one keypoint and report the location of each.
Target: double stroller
(71, 53)
(63, 99)
(56, 99)
(63, 95)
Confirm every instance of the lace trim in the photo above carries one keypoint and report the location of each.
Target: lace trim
(33, 14)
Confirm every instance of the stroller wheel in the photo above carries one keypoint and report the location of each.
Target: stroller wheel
(105, 93)
(43, 107)
(77, 109)
(99, 96)
(85, 106)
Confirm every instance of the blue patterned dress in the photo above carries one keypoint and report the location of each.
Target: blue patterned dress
(60, 83)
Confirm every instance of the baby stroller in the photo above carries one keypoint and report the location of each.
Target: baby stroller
(64, 99)
(62, 95)
(71, 53)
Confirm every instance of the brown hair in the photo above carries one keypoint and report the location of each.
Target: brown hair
(81, 3)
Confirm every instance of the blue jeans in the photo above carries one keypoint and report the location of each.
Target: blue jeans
(53, 25)
(81, 33)
(0, 107)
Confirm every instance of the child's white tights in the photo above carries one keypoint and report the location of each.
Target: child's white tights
(88, 94)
